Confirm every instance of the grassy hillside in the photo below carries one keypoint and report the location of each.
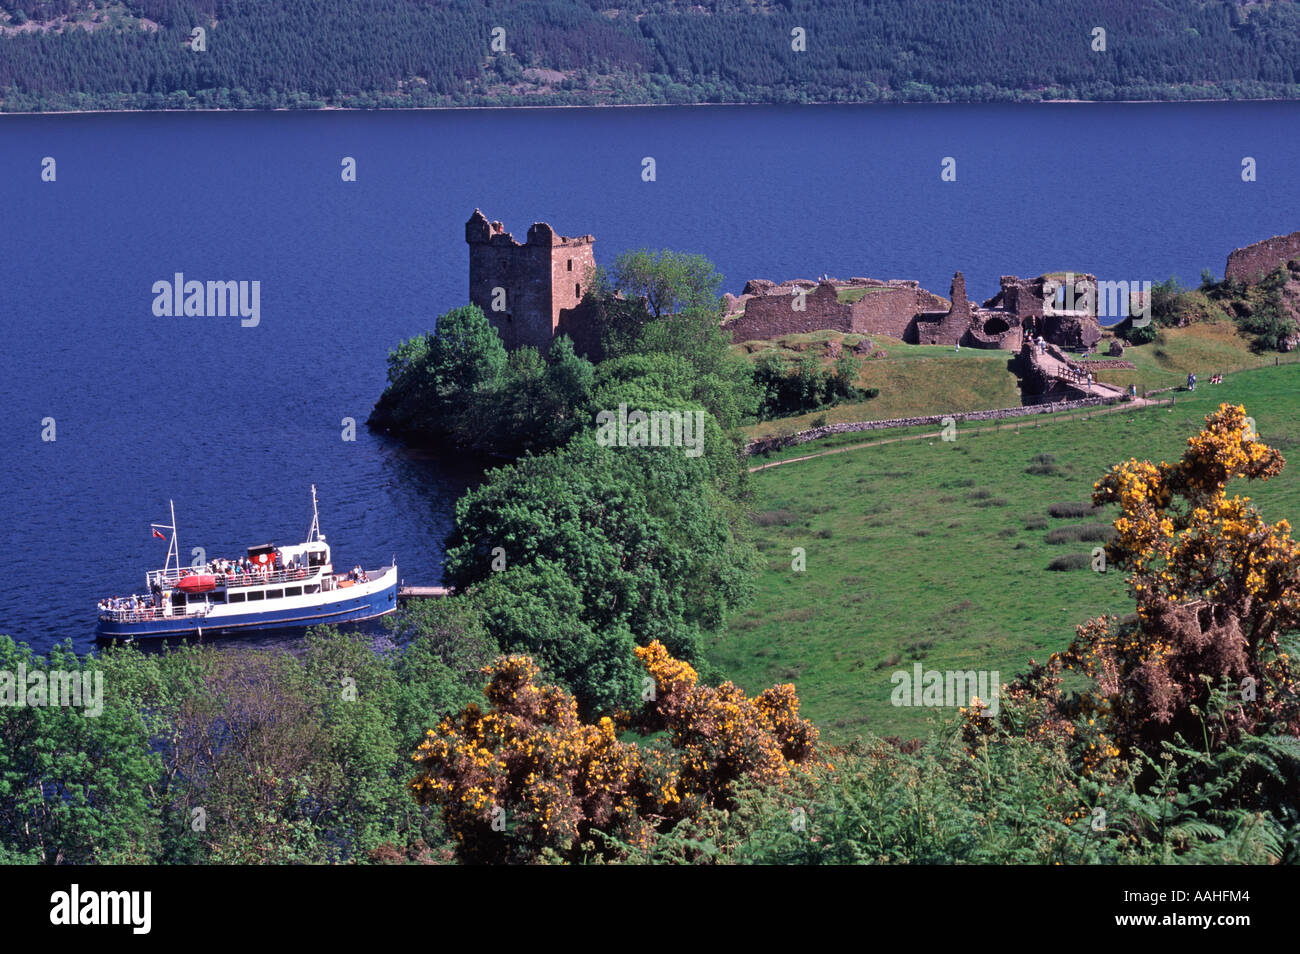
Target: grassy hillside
(1205, 347)
(917, 380)
(933, 552)
(913, 380)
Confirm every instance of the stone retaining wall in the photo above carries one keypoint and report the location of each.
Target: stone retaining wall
(765, 444)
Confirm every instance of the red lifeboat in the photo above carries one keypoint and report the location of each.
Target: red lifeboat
(197, 583)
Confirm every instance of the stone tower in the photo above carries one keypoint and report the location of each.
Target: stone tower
(529, 291)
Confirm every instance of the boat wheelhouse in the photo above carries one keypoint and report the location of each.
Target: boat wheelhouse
(269, 587)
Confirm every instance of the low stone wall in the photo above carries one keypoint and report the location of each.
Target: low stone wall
(764, 444)
(1101, 364)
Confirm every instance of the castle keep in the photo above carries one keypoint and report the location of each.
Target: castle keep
(530, 291)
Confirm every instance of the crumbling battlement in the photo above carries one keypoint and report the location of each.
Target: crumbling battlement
(800, 306)
(530, 291)
(1253, 262)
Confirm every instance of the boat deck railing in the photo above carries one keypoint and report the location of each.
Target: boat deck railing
(169, 578)
(145, 613)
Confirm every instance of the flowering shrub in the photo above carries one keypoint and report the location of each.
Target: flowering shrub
(528, 778)
(1216, 589)
(720, 735)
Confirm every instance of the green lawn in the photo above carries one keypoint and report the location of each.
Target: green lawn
(934, 552)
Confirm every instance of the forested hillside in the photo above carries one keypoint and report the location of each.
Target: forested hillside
(71, 54)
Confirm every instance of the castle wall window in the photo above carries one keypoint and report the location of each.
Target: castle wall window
(577, 290)
(570, 264)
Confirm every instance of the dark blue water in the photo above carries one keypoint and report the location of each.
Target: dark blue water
(235, 423)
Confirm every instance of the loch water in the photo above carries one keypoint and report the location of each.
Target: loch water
(234, 423)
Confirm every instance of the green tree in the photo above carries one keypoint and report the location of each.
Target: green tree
(74, 785)
(669, 282)
(466, 355)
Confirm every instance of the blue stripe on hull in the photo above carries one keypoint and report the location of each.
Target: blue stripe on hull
(345, 611)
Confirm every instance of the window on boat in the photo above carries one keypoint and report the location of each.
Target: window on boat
(274, 594)
(236, 597)
(316, 558)
(293, 591)
(314, 588)
(217, 597)
(256, 595)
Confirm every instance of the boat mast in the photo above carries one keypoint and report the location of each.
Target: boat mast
(173, 551)
(313, 535)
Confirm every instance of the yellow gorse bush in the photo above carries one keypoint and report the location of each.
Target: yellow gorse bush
(528, 775)
(1214, 585)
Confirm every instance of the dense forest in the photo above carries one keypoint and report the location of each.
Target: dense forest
(137, 54)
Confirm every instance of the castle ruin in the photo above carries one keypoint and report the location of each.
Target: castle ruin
(1060, 307)
(1253, 262)
(531, 291)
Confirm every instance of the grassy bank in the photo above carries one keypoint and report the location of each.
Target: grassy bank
(914, 380)
(938, 553)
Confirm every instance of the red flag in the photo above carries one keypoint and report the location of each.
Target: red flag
(158, 534)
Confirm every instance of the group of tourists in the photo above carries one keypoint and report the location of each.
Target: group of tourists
(245, 569)
(358, 575)
(1080, 376)
(127, 604)
(1191, 379)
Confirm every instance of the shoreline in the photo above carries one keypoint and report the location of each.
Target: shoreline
(522, 106)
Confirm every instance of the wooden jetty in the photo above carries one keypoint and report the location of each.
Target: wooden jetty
(405, 592)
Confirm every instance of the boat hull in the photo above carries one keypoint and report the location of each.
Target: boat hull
(348, 605)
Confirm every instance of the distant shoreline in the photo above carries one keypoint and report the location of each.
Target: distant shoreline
(521, 106)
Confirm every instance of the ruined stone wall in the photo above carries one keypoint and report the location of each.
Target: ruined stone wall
(950, 327)
(773, 315)
(579, 323)
(1249, 263)
(890, 311)
(1073, 331)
